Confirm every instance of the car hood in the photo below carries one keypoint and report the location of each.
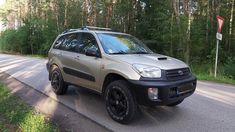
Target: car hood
(157, 60)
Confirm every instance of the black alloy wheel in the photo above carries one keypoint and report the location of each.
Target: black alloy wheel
(57, 82)
(120, 103)
(117, 102)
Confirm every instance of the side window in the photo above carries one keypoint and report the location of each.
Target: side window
(58, 42)
(70, 43)
(87, 41)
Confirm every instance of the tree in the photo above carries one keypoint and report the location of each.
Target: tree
(181, 28)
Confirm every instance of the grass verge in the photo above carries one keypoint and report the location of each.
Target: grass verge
(206, 72)
(16, 115)
(219, 79)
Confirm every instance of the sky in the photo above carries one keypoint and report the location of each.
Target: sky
(2, 2)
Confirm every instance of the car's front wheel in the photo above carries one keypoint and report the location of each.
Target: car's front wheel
(120, 103)
(57, 82)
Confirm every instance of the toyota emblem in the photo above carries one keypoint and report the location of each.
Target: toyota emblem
(180, 72)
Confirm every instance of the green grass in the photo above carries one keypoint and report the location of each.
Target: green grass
(206, 72)
(219, 79)
(16, 115)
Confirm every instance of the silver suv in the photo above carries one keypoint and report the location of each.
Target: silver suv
(119, 67)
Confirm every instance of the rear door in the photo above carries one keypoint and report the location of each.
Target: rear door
(69, 56)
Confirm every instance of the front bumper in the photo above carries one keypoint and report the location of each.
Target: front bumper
(168, 91)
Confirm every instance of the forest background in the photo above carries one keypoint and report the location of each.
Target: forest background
(184, 29)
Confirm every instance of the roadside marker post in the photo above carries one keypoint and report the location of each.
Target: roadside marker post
(220, 21)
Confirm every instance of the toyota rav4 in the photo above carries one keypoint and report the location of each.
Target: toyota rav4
(119, 67)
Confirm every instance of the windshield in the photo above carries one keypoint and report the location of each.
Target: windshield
(122, 44)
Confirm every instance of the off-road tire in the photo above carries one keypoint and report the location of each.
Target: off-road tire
(120, 102)
(57, 82)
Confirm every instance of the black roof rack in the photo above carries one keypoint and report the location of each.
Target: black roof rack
(87, 28)
(95, 28)
(69, 30)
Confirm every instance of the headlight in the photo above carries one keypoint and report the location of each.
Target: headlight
(147, 71)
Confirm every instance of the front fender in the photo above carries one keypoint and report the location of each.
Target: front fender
(126, 72)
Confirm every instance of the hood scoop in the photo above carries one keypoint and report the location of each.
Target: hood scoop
(162, 58)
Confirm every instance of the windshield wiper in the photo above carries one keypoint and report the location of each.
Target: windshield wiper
(119, 52)
(141, 52)
(116, 53)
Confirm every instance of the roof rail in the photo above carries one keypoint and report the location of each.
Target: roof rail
(95, 28)
(87, 28)
(69, 30)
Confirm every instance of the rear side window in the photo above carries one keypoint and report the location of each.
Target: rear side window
(69, 42)
(76, 42)
(58, 42)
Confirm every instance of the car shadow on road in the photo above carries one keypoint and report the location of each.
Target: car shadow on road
(92, 104)
(163, 114)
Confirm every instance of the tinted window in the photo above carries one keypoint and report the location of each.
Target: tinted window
(58, 42)
(87, 41)
(71, 43)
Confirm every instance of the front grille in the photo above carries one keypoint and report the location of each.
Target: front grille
(177, 74)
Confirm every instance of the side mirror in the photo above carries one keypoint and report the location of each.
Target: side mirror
(92, 52)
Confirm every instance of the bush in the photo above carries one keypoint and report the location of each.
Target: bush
(34, 37)
(8, 41)
(229, 70)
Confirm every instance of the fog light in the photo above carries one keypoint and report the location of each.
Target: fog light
(153, 93)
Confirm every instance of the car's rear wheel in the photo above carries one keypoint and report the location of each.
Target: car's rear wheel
(120, 103)
(57, 82)
(175, 103)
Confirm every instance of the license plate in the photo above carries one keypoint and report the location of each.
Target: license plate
(185, 88)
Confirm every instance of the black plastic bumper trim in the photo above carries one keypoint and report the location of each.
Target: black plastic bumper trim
(79, 74)
(165, 87)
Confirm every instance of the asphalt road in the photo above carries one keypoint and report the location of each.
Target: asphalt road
(210, 108)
